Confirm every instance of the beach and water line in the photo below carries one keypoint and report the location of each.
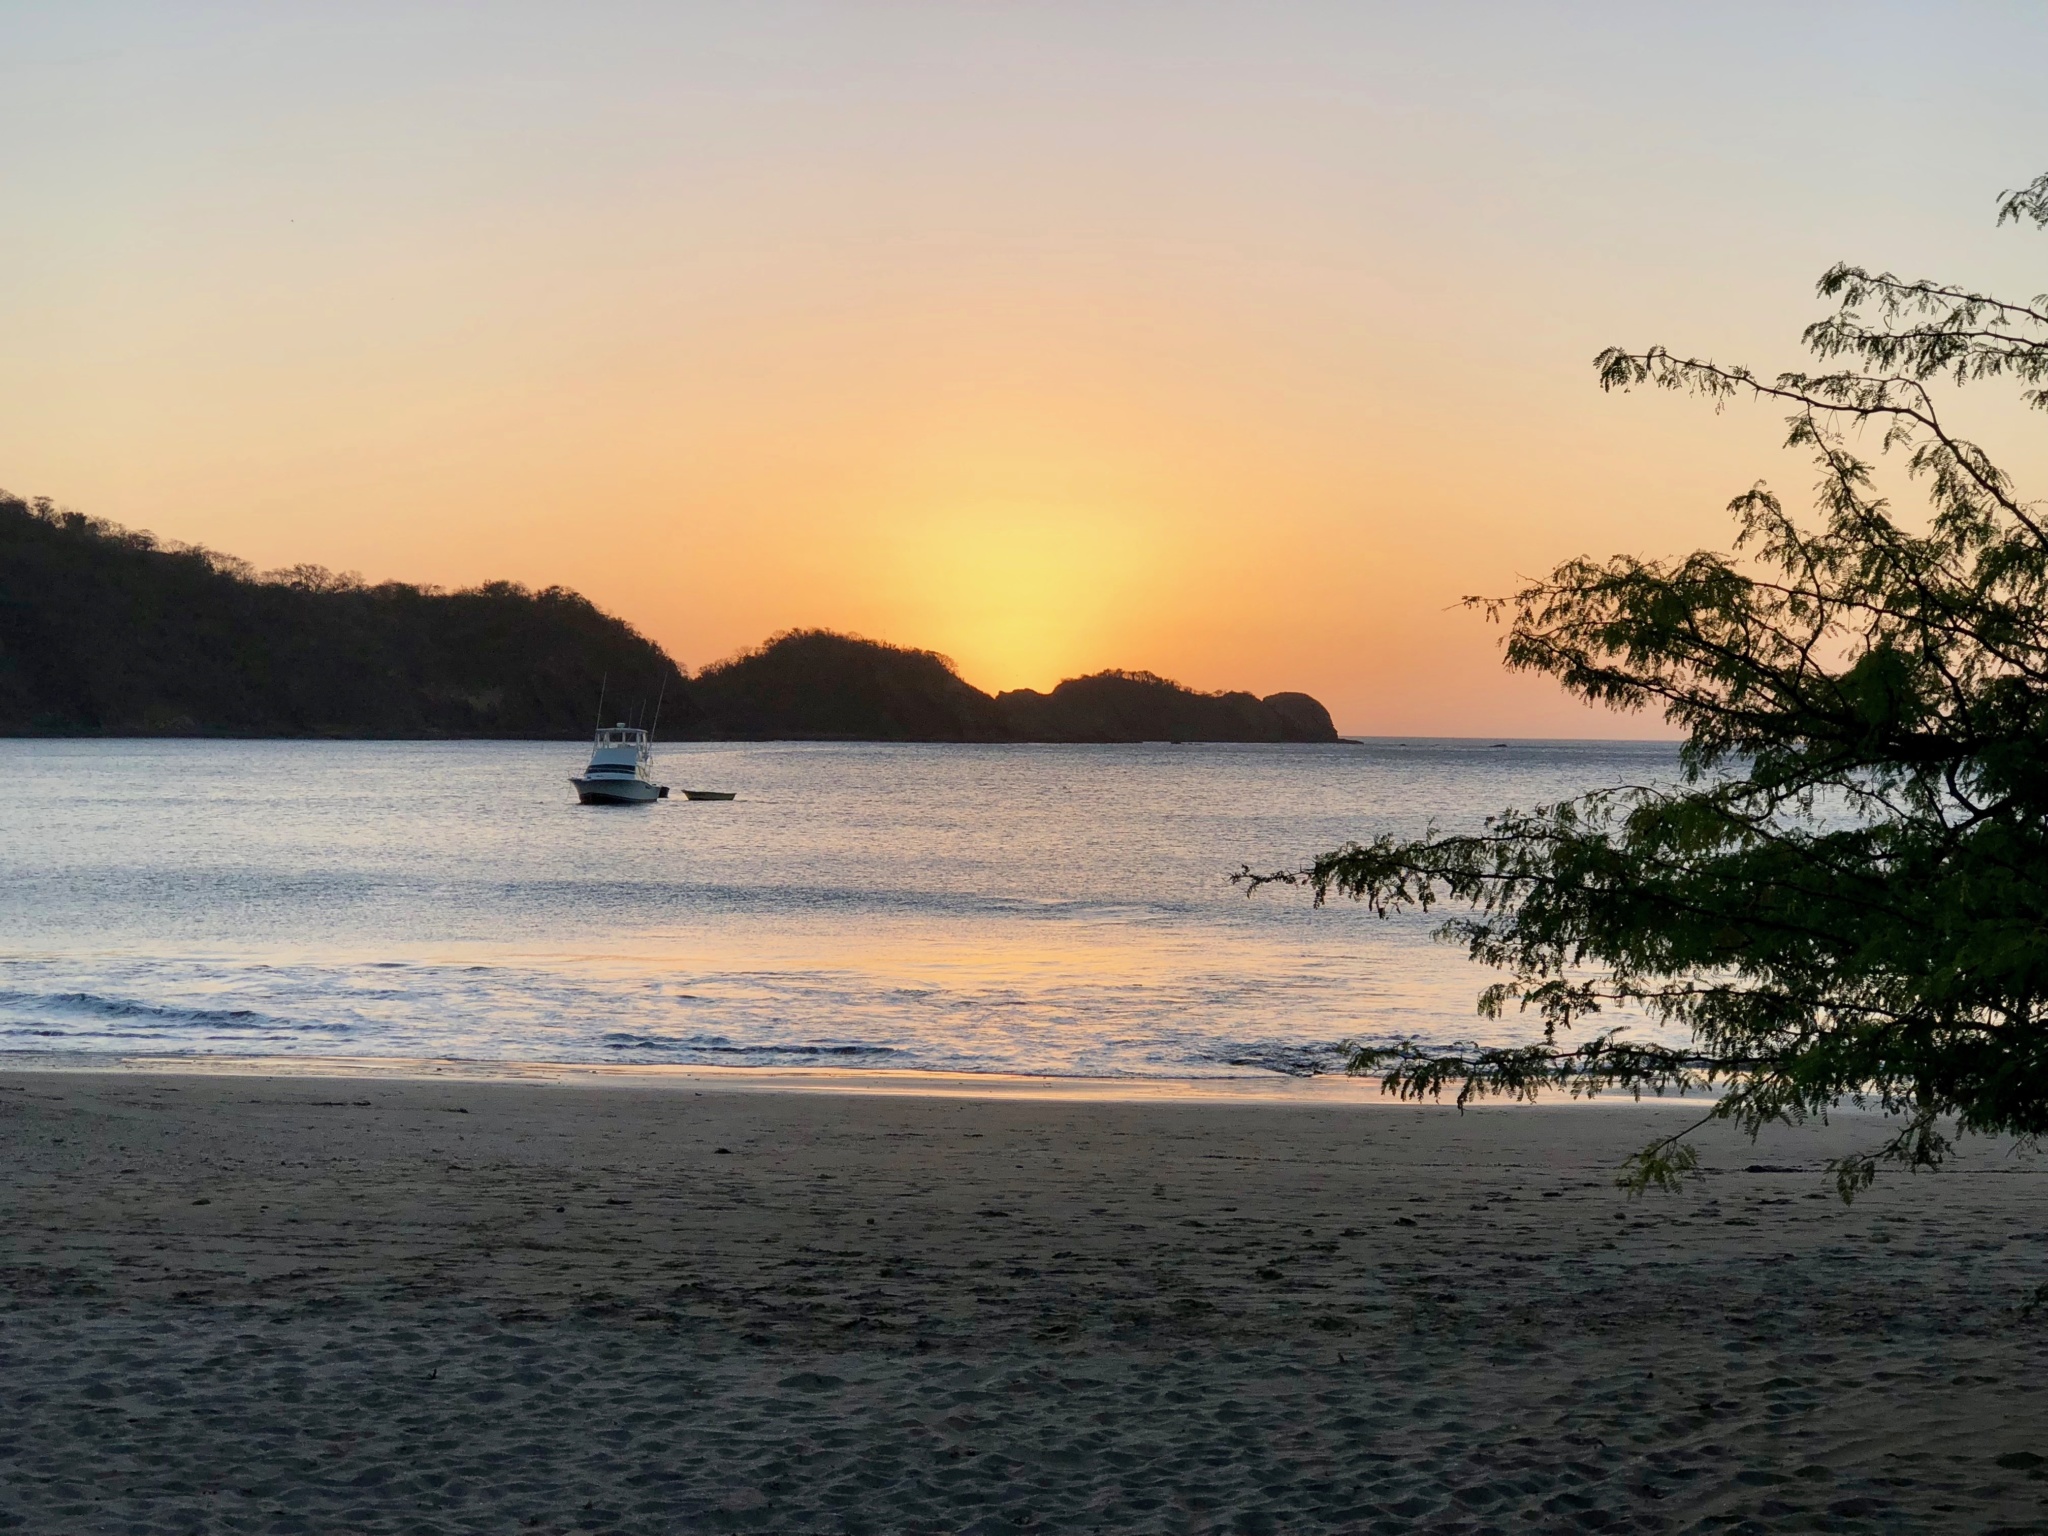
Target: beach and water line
(313, 1222)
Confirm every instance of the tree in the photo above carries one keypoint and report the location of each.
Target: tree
(1844, 898)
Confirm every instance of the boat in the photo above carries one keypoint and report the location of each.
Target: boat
(621, 770)
(708, 794)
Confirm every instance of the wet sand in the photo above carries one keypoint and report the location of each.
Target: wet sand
(292, 1304)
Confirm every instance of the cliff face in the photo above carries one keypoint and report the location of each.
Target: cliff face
(106, 632)
(1302, 717)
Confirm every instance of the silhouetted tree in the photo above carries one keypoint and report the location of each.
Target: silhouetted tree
(104, 631)
(1845, 897)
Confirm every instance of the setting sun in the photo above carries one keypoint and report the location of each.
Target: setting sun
(883, 766)
(1021, 597)
(738, 325)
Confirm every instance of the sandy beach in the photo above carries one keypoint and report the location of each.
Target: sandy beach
(295, 1304)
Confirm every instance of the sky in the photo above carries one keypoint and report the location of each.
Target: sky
(1234, 342)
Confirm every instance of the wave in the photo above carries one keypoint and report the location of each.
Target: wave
(719, 1045)
(607, 898)
(33, 1009)
(1288, 1058)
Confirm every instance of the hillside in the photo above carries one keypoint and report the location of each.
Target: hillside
(812, 683)
(1136, 706)
(815, 684)
(108, 632)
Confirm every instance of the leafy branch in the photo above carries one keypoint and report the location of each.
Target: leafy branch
(1844, 899)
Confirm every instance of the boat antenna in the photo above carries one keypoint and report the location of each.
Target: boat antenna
(600, 699)
(657, 707)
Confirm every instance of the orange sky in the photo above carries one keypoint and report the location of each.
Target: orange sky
(1231, 341)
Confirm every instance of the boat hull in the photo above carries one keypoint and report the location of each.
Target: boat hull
(617, 791)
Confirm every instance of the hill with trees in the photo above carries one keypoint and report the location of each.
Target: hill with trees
(813, 684)
(105, 631)
(1136, 706)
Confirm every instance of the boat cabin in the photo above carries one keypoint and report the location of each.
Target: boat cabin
(619, 749)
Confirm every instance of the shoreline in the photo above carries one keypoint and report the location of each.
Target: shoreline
(1325, 1090)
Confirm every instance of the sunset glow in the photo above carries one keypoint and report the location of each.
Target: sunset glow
(1228, 342)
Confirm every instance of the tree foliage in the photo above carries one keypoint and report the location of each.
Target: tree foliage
(1844, 898)
(106, 631)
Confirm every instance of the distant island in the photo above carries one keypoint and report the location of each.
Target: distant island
(813, 684)
(109, 632)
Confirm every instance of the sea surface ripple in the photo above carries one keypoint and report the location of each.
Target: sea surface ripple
(1057, 910)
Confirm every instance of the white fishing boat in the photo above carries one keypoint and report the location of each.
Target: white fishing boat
(621, 770)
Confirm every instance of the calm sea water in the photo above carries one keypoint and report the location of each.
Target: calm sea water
(1055, 910)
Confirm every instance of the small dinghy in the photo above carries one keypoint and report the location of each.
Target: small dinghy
(709, 794)
(621, 770)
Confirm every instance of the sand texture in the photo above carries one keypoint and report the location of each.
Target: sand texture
(267, 1304)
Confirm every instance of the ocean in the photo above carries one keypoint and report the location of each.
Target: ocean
(1062, 911)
